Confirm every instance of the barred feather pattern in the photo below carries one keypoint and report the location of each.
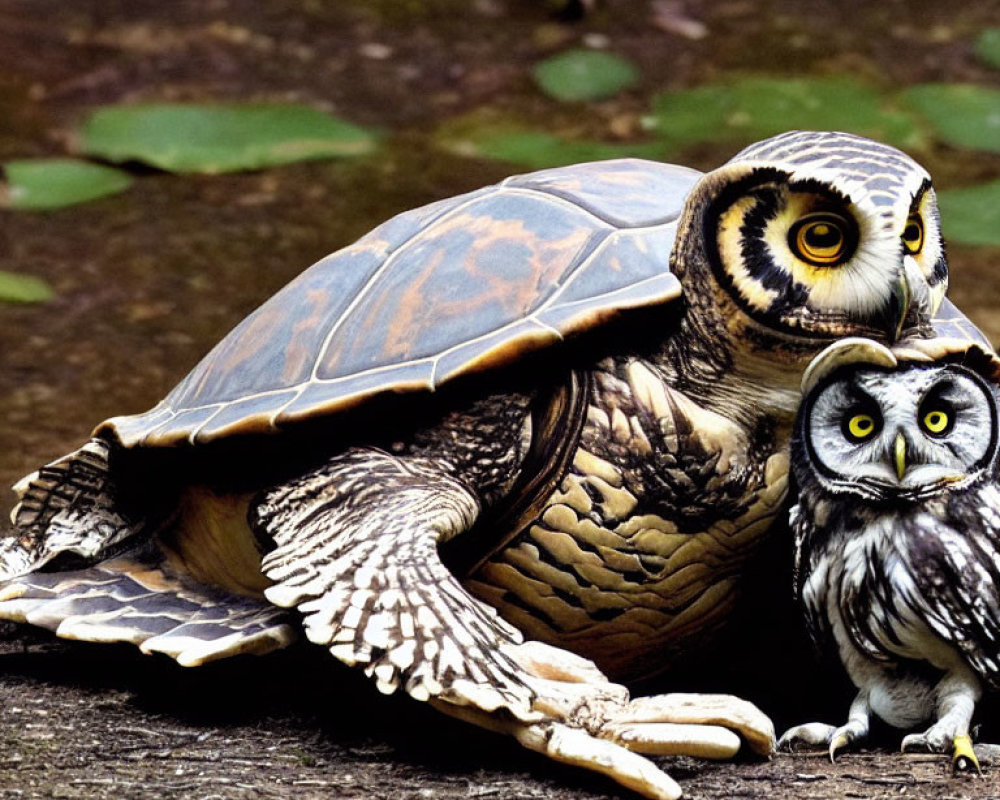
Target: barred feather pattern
(956, 564)
(899, 580)
(140, 598)
(67, 506)
(356, 552)
(882, 175)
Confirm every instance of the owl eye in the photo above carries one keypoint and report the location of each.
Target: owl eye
(823, 239)
(859, 427)
(913, 234)
(937, 422)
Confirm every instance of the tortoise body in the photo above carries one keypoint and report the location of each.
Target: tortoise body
(578, 245)
(602, 499)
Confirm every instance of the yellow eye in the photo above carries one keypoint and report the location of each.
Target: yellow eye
(936, 422)
(823, 239)
(913, 234)
(861, 426)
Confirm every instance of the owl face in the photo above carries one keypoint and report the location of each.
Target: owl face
(897, 435)
(828, 234)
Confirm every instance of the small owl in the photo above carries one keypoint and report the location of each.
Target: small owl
(897, 536)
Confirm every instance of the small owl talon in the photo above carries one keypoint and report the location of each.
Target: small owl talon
(818, 734)
(840, 741)
(963, 757)
(811, 734)
(932, 741)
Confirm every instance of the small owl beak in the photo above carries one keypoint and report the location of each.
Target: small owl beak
(899, 452)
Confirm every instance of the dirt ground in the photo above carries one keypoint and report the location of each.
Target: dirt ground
(147, 281)
(103, 723)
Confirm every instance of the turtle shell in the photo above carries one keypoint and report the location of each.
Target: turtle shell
(464, 284)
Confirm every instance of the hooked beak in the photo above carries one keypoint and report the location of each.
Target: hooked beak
(910, 297)
(899, 306)
(899, 455)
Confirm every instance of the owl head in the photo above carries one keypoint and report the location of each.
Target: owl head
(817, 235)
(896, 435)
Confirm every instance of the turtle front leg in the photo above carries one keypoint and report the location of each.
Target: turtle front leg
(582, 718)
(356, 552)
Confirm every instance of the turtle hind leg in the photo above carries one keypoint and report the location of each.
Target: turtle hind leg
(68, 509)
(139, 597)
(356, 552)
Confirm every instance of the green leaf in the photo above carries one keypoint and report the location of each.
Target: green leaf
(961, 114)
(537, 149)
(754, 108)
(584, 75)
(15, 288)
(222, 138)
(694, 115)
(44, 183)
(988, 46)
(971, 215)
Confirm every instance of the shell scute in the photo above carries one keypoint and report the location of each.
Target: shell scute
(251, 414)
(354, 389)
(499, 346)
(627, 192)
(638, 255)
(464, 284)
(189, 419)
(424, 297)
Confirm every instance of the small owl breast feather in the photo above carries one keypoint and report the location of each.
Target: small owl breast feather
(897, 536)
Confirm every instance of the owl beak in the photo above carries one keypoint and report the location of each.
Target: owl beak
(910, 303)
(899, 454)
(900, 305)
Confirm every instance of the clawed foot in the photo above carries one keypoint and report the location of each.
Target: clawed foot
(818, 734)
(580, 717)
(939, 739)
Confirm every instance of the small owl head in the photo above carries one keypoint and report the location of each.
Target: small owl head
(819, 235)
(897, 435)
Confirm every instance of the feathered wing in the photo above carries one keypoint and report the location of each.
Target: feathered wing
(814, 559)
(69, 507)
(855, 575)
(800, 522)
(356, 553)
(138, 598)
(955, 567)
(107, 577)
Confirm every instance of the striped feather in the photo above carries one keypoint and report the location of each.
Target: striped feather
(357, 554)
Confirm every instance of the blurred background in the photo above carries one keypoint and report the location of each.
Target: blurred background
(169, 165)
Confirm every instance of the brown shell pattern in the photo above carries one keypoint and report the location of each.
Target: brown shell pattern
(460, 285)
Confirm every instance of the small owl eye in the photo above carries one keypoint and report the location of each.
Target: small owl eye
(913, 234)
(937, 422)
(823, 239)
(860, 427)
